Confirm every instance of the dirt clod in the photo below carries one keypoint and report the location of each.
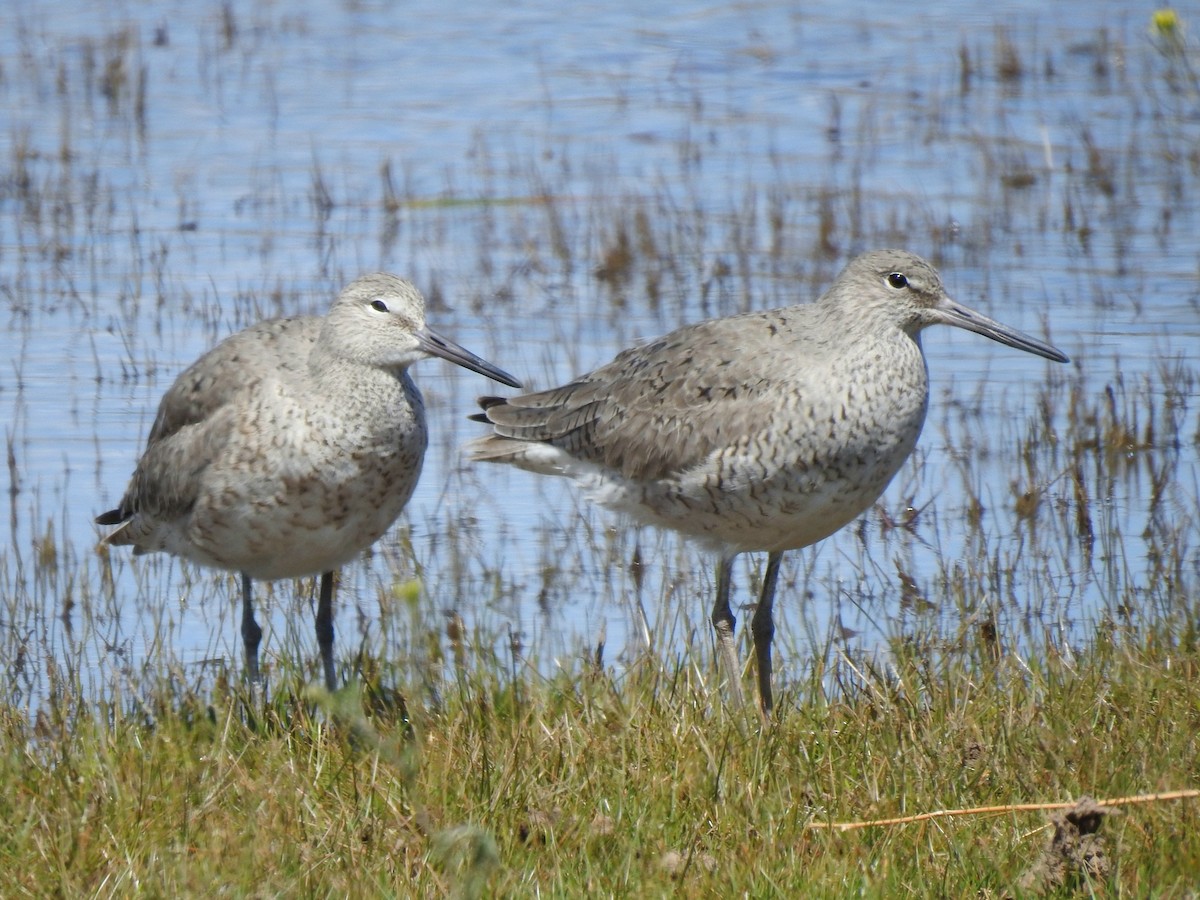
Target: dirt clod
(1075, 851)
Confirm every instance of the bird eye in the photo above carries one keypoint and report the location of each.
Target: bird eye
(379, 306)
(897, 280)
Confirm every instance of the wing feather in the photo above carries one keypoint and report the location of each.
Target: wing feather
(195, 417)
(665, 407)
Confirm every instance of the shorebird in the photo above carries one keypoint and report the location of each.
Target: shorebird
(766, 431)
(291, 446)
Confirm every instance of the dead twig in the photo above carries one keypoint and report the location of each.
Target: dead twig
(1002, 810)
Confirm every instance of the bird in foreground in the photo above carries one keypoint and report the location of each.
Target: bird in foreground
(291, 446)
(766, 431)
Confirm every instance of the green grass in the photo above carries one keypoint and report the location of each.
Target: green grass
(587, 786)
(123, 777)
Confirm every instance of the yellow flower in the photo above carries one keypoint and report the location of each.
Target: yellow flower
(1166, 22)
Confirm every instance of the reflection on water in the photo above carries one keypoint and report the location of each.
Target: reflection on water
(561, 186)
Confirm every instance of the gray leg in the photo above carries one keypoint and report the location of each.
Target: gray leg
(762, 626)
(723, 622)
(325, 629)
(251, 633)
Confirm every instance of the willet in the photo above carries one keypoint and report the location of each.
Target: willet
(766, 431)
(291, 446)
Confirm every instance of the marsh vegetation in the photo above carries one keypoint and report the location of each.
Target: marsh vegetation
(533, 704)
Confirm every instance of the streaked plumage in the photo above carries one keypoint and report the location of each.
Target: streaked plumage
(764, 431)
(291, 446)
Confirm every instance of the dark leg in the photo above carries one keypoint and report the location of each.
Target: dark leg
(723, 622)
(251, 633)
(325, 629)
(762, 626)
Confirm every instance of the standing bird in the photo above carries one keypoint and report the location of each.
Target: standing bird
(766, 431)
(291, 446)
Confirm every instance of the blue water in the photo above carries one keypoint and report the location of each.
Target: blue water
(189, 200)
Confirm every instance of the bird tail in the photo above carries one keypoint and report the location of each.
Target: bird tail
(494, 448)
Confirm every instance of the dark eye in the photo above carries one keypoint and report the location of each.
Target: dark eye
(897, 280)
(379, 306)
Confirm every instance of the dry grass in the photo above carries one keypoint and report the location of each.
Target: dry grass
(1029, 589)
(586, 785)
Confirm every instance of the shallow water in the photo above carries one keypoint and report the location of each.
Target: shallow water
(176, 171)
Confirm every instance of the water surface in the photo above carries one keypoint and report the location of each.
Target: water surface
(561, 185)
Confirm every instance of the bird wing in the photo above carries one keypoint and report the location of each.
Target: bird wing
(234, 365)
(169, 477)
(196, 415)
(662, 408)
